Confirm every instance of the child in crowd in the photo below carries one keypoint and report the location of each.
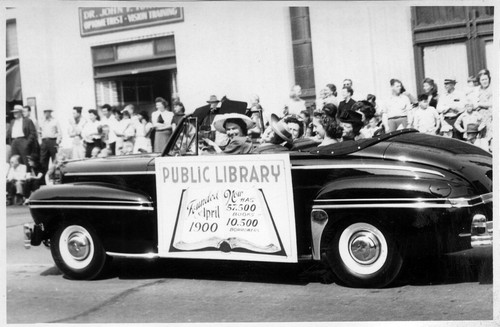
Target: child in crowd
(106, 152)
(470, 123)
(372, 128)
(33, 177)
(471, 85)
(53, 175)
(16, 178)
(426, 118)
(95, 152)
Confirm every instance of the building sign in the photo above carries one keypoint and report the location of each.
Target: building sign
(97, 20)
(226, 207)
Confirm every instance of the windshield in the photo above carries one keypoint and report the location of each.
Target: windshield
(186, 142)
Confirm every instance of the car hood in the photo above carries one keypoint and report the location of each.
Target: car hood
(113, 164)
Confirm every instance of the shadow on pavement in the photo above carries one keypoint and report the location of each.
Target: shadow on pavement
(52, 271)
(447, 270)
(423, 271)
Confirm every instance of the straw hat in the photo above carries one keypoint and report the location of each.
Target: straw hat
(220, 120)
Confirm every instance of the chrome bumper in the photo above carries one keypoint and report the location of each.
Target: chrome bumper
(28, 233)
(481, 232)
(33, 235)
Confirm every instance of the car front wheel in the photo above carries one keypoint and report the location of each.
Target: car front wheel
(78, 252)
(363, 254)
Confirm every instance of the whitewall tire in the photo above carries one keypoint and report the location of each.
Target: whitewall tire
(363, 254)
(78, 252)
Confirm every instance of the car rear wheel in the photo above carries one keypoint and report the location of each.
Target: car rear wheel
(363, 254)
(78, 252)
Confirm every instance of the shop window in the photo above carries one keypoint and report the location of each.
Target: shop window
(446, 61)
(134, 50)
(165, 46)
(11, 39)
(13, 85)
(490, 53)
(302, 51)
(135, 72)
(138, 57)
(429, 16)
(139, 90)
(451, 41)
(106, 92)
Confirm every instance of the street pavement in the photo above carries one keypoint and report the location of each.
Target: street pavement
(177, 291)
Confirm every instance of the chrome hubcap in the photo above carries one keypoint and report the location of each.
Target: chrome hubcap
(78, 246)
(364, 247)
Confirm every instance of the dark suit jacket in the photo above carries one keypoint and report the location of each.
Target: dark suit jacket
(29, 131)
(227, 106)
(343, 106)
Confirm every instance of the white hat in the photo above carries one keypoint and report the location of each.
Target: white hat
(220, 120)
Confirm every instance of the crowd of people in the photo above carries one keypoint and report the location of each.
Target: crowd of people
(466, 116)
(33, 147)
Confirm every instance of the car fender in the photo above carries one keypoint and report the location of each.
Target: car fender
(114, 211)
(372, 196)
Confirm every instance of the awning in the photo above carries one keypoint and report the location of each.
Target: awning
(13, 82)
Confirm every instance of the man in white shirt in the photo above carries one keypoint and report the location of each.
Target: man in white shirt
(51, 137)
(22, 135)
(450, 106)
(108, 119)
(16, 177)
(295, 104)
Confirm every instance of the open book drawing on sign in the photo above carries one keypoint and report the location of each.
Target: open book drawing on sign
(226, 220)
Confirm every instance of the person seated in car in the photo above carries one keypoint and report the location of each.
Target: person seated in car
(330, 109)
(367, 112)
(236, 127)
(296, 127)
(327, 129)
(277, 138)
(351, 122)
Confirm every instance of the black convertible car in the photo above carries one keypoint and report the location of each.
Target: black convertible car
(362, 206)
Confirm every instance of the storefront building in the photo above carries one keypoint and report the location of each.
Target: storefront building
(61, 56)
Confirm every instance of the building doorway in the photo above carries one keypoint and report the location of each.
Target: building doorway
(135, 72)
(137, 89)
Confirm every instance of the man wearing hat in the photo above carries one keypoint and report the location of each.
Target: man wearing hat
(21, 135)
(351, 122)
(208, 119)
(236, 127)
(450, 106)
(470, 123)
(276, 139)
(51, 137)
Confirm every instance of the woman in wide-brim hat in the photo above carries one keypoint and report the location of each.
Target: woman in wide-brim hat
(236, 127)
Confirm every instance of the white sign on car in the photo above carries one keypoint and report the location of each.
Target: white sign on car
(226, 207)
